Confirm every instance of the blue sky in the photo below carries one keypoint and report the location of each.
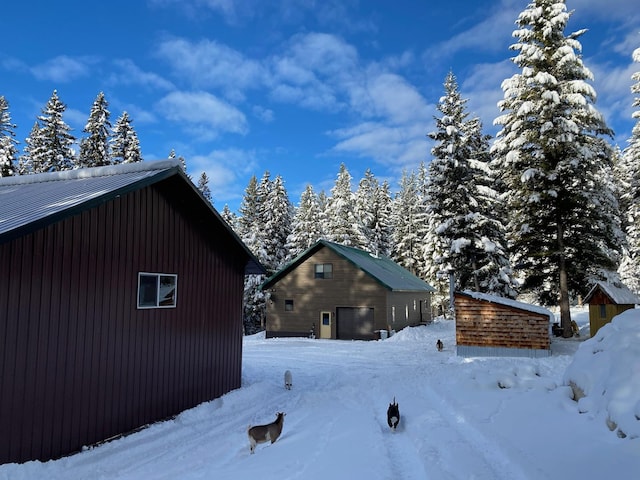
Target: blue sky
(295, 87)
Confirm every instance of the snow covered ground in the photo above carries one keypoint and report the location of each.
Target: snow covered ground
(475, 418)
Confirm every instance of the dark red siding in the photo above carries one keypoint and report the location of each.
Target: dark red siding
(79, 362)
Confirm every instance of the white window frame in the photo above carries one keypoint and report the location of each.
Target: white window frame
(157, 303)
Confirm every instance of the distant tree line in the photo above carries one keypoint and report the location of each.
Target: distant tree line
(544, 209)
(51, 147)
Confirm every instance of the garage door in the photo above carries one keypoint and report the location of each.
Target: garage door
(354, 323)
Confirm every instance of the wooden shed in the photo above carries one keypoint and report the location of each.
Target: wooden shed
(488, 325)
(607, 300)
(335, 291)
(120, 305)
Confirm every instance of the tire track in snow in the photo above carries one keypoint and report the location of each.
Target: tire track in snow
(490, 460)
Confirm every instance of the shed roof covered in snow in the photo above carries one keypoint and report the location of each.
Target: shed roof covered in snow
(510, 303)
(618, 294)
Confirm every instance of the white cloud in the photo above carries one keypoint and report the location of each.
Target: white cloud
(209, 64)
(202, 113)
(131, 74)
(224, 169)
(62, 69)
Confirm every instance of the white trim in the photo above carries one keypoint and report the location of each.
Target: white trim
(158, 299)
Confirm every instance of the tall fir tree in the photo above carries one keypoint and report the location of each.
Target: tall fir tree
(406, 215)
(551, 155)
(230, 217)
(494, 272)
(51, 150)
(249, 225)
(125, 146)
(276, 215)
(95, 149)
(630, 199)
(372, 211)
(28, 162)
(306, 227)
(8, 142)
(341, 222)
(203, 186)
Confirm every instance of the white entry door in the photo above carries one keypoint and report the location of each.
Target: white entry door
(325, 324)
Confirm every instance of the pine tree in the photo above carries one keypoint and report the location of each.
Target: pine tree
(493, 267)
(125, 146)
(8, 150)
(229, 217)
(341, 222)
(630, 197)
(306, 228)
(28, 162)
(94, 149)
(406, 214)
(276, 215)
(51, 150)
(551, 155)
(249, 225)
(203, 186)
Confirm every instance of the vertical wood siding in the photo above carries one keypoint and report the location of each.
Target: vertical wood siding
(79, 362)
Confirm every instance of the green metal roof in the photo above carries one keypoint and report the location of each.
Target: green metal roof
(384, 270)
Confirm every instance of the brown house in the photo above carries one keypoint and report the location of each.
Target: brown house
(606, 301)
(488, 325)
(334, 291)
(120, 305)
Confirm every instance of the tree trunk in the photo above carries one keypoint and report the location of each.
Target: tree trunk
(565, 311)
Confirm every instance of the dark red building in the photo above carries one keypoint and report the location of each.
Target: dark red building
(120, 305)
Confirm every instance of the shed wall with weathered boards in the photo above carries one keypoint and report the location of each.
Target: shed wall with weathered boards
(494, 328)
(79, 363)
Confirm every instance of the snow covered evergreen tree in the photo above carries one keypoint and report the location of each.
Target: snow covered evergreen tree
(406, 214)
(276, 215)
(203, 186)
(381, 240)
(249, 225)
(125, 146)
(51, 149)
(341, 221)
(493, 267)
(28, 163)
(94, 149)
(630, 198)
(306, 228)
(230, 217)
(372, 209)
(551, 155)
(8, 142)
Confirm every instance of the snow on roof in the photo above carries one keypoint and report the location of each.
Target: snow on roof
(510, 303)
(619, 294)
(25, 199)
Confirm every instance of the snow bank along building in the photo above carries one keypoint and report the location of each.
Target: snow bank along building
(120, 304)
(606, 301)
(335, 291)
(489, 325)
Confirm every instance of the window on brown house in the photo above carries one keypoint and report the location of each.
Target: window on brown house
(323, 270)
(288, 305)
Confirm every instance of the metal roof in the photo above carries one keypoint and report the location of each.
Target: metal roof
(29, 202)
(619, 294)
(45, 197)
(384, 270)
